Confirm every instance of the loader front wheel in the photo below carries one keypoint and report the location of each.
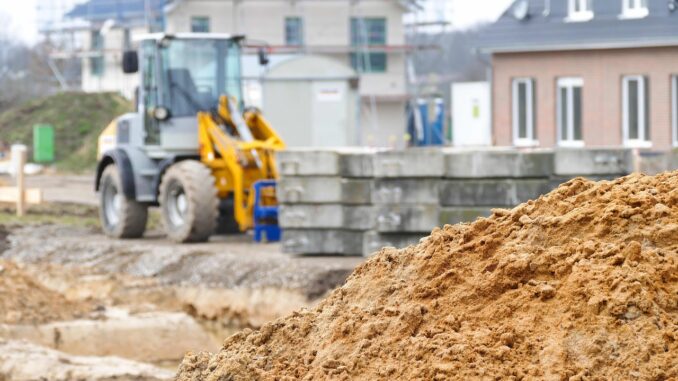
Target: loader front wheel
(189, 202)
(120, 217)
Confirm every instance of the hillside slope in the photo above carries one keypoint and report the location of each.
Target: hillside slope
(78, 118)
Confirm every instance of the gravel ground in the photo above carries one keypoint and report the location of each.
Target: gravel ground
(224, 262)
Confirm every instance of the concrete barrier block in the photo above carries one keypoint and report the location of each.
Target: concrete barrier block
(494, 192)
(308, 162)
(598, 161)
(407, 218)
(373, 241)
(408, 191)
(413, 162)
(326, 216)
(497, 163)
(323, 190)
(357, 163)
(317, 241)
(455, 215)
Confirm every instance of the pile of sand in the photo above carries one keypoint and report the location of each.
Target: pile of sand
(581, 284)
(25, 301)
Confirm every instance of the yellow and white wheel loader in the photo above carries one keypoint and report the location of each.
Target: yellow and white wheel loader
(189, 148)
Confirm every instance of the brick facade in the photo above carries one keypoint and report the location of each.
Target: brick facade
(602, 72)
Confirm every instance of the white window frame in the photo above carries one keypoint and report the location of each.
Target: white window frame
(642, 141)
(674, 108)
(530, 140)
(568, 83)
(578, 16)
(634, 9)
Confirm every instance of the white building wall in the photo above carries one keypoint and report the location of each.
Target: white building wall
(112, 79)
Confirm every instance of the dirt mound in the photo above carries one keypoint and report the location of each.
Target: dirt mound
(25, 301)
(581, 284)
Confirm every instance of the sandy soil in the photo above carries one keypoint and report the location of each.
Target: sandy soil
(581, 284)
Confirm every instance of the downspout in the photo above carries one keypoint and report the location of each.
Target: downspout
(490, 79)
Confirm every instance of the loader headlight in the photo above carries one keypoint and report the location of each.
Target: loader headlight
(161, 113)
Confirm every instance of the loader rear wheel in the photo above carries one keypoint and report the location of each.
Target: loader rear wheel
(189, 202)
(120, 217)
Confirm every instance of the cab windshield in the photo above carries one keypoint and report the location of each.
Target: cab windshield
(197, 72)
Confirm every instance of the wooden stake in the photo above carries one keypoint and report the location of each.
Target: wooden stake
(21, 184)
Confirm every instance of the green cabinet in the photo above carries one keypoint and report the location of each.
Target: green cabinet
(43, 143)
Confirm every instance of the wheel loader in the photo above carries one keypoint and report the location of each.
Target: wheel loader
(191, 148)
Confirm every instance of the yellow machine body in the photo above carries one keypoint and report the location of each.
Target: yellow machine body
(237, 163)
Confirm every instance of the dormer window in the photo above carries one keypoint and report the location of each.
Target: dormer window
(580, 10)
(634, 9)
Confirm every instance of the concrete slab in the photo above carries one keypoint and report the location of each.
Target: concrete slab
(455, 215)
(497, 163)
(308, 162)
(356, 164)
(373, 241)
(407, 191)
(403, 218)
(493, 192)
(598, 161)
(413, 162)
(323, 190)
(326, 216)
(318, 241)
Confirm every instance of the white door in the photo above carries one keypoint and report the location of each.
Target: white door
(471, 114)
(329, 123)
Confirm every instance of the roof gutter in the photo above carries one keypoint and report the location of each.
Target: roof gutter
(584, 46)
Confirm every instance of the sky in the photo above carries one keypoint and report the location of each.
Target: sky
(460, 14)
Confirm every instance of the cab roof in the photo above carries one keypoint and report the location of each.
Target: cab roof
(187, 36)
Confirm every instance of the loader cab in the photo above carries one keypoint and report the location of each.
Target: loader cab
(181, 75)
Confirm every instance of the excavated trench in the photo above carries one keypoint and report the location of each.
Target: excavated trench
(149, 300)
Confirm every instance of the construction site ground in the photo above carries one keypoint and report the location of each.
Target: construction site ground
(78, 305)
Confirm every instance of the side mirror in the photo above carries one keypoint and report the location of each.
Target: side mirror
(263, 57)
(130, 62)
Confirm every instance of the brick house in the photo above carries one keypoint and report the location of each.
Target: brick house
(585, 73)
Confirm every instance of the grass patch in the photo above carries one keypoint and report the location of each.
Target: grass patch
(78, 119)
(57, 213)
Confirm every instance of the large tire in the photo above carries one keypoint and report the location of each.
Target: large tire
(189, 202)
(120, 217)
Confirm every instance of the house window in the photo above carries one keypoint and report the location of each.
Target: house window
(200, 24)
(635, 109)
(674, 108)
(366, 32)
(294, 31)
(580, 10)
(569, 112)
(634, 8)
(96, 62)
(523, 112)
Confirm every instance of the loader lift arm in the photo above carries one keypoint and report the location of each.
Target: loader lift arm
(240, 150)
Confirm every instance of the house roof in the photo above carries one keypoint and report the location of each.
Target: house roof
(547, 29)
(99, 10)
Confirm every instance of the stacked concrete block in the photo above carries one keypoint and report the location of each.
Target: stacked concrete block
(357, 201)
(325, 200)
(477, 181)
(405, 194)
